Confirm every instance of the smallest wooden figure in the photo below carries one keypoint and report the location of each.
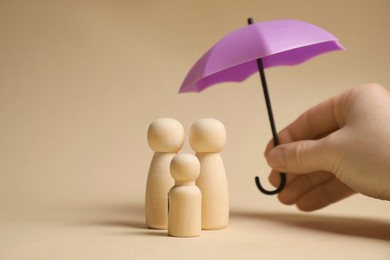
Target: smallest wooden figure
(185, 198)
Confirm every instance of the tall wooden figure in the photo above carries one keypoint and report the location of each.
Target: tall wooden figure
(185, 198)
(165, 138)
(207, 139)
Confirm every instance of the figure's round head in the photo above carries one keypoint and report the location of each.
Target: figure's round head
(207, 135)
(185, 167)
(166, 135)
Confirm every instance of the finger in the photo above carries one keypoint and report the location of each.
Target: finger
(302, 185)
(317, 122)
(274, 178)
(303, 156)
(283, 138)
(324, 195)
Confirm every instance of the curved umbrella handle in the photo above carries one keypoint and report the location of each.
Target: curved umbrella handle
(279, 189)
(272, 123)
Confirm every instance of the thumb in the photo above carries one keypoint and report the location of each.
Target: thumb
(300, 157)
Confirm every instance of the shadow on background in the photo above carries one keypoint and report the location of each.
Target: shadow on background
(123, 215)
(349, 226)
(128, 217)
(110, 215)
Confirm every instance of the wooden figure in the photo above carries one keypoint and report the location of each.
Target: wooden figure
(207, 139)
(185, 198)
(165, 138)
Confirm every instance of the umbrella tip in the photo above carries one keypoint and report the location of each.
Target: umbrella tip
(250, 20)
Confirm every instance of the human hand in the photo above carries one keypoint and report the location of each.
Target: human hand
(335, 149)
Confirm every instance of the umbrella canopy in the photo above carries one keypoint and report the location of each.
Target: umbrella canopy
(277, 42)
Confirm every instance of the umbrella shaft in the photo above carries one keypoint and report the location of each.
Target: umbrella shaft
(268, 101)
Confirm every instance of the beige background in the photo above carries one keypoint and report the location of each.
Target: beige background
(80, 81)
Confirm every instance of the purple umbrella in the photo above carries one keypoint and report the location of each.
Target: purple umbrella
(254, 48)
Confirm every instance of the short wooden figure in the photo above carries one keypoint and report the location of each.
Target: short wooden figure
(185, 198)
(165, 138)
(207, 139)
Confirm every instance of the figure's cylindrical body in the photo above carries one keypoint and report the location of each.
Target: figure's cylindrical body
(212, 182)
(157, 187)
(184, 216)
